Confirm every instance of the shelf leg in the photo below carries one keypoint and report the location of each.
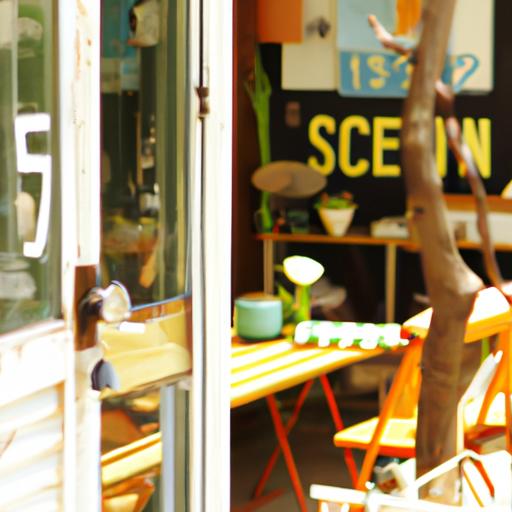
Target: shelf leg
(390, 282)
(268, 267)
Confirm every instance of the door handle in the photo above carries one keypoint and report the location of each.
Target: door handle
(111, 304)
(104, 376)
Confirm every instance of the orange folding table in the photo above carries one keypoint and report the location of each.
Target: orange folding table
(260, 370)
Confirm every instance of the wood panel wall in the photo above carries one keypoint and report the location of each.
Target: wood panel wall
(247, 260)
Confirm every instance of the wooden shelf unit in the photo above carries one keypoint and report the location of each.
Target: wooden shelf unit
(360, 236)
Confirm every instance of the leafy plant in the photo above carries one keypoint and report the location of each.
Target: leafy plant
(259, 90)
(288, 303)
(339, 201)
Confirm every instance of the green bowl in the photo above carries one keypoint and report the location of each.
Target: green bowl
(258, 317)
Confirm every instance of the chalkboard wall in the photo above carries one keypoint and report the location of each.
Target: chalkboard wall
(376, 196)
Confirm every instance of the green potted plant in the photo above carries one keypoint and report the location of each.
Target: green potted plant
(336, 212)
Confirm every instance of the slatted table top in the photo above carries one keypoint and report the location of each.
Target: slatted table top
(263, 368)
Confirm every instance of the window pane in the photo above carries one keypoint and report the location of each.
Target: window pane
(27, 180)
(144, 197)
(144, 182)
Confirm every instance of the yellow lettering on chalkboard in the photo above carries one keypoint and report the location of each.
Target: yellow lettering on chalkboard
(479, 142)
(350, 123)
(477, 133)
(382, 143)
(328, 124)
(377, 63)
(441, 147)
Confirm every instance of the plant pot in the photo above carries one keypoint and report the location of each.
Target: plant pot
(258, 316)
(336, 221)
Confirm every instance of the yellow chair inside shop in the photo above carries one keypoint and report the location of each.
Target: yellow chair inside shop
(393, 432)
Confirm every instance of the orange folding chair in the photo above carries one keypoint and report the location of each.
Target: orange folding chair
(393, 432)
(494, 416)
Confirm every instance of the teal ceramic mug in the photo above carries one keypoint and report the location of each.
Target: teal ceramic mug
(258, 317)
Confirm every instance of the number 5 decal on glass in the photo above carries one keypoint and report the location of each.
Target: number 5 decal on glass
(35, 163)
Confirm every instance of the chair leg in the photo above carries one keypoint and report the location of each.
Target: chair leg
(338, 422)
(410, 360)
(507, 391)
(498, 382)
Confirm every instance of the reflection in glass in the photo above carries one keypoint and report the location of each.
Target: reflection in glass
(144, 80)
(26, 254)
(143, 171)
(131, 426)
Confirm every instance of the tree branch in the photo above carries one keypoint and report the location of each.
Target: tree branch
(445, 107)
(385, 38)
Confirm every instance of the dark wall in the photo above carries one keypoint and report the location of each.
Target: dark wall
(383, 196)
(293, 144)
(376, 196)
(247, 252)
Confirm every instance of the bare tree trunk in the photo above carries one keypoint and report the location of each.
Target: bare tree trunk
(451, 285)
(445, 107)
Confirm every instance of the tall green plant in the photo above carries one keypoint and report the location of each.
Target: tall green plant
(259, 92)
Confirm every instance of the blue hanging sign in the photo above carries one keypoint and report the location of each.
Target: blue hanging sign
(368, 70)
(382, 74)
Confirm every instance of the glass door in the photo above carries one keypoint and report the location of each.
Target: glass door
(145, 188)
(51, 371)
(145, 180)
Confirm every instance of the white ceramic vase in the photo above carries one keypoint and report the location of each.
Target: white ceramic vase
(336, 221)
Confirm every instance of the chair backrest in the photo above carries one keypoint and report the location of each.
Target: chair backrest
(491, 315)
(406, 405)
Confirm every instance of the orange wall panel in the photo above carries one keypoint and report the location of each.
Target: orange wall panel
(279, 21)
(409, 15)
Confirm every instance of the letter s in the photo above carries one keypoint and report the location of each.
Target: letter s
(322, 145)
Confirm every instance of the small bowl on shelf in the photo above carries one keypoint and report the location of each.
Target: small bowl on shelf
(336, 212)
(336, 221)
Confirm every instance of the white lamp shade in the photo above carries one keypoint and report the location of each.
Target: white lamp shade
(302, 270)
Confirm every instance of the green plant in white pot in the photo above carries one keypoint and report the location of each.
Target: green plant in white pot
(336, 212)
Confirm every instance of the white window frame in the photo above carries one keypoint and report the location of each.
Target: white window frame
(211, 257)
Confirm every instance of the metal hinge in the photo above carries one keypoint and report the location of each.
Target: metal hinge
(203, 93)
